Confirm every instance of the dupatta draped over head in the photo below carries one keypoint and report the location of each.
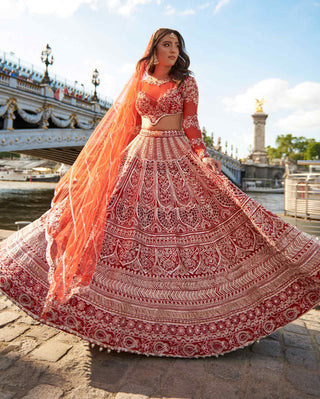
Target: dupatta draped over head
(75, 223)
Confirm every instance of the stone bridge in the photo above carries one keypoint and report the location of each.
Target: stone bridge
(34, 122)
(231, 167)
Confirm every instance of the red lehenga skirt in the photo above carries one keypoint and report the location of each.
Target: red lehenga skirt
(190, 265)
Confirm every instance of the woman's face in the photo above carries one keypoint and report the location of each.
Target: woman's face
(167, 50)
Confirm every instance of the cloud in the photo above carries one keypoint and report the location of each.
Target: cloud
(220, 4)
(13, 9)
(205, 5)
(300, 121)
(170, 10)
(278, 94)
(127, 68)
(188, 11)
(301, 103)
(126, 7)
(306, 95)
(269, 89)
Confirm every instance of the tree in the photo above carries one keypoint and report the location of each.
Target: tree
(207, 140)
(11, 155)
(312, 150)
(292, 147)
(286, 144)
(272, 153)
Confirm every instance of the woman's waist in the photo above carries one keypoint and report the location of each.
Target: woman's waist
(161, 133)
(164, 122)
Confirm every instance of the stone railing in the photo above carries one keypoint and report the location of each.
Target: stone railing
(28, 86)
(25, 105)
(32, 87)
(4, 79)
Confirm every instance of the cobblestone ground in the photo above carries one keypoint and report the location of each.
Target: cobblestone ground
(39, 362)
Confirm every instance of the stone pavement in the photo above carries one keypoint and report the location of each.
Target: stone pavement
(5, 234)
(40, 362)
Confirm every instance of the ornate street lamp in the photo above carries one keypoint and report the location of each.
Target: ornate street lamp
(95, 82)
(45, 59)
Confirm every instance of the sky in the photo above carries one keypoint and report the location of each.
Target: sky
(240, 50)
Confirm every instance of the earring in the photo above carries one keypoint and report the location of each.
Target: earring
(155, 60)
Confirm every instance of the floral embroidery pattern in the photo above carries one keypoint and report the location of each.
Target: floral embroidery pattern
(190, 265)
(191, 121)
(154, 105)
(169, 104)
(190, 90)
(158, 82)
(197, 141)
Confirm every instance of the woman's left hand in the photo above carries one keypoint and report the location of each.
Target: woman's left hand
(214, 163)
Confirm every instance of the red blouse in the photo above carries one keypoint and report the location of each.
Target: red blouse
(159, 98)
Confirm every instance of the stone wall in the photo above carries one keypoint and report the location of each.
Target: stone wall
(263, 172)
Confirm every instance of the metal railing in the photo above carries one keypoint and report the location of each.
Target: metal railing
(302, 201)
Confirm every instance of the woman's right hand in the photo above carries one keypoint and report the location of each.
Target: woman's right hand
(214, 163)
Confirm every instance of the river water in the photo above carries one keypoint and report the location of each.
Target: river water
(27, 201)
(23, 201)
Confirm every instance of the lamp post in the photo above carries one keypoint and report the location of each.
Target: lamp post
(45, 59)
(95, 82)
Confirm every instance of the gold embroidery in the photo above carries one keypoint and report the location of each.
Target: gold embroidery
(191, 121)
(158, 82)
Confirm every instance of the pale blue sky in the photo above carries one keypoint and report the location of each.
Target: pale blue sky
(239, 49)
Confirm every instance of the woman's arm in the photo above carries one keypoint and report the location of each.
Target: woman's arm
(190, 121)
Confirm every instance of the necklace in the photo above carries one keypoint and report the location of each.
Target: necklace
(152, 80)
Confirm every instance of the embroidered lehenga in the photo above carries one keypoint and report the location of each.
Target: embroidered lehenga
(189, 264)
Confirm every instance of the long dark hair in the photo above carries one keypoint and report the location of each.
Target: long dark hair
(180, 70)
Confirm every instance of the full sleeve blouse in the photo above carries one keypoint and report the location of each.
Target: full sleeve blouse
(190, 122)
(161, 98)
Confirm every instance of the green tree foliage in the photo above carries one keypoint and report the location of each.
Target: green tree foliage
(294, 148)
(11, 155)
(207, 140)
(313, 150)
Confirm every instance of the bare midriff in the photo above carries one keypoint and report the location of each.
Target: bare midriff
(167, 122)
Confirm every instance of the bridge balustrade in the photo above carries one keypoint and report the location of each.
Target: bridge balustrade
(231, 167)
(33, 122)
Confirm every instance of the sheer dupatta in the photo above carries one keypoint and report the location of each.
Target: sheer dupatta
(75, 223)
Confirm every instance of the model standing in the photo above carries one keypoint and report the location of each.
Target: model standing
(148, 248)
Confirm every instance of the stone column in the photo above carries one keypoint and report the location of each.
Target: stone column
(259, 154)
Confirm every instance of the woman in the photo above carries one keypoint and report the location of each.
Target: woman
(148, 248)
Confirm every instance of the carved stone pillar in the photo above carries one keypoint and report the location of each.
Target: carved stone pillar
(10, 117)
(259, 154)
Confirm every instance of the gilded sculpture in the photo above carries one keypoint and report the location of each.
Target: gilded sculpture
(259, 104)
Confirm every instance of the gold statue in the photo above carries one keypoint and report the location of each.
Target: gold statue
(259, 104)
